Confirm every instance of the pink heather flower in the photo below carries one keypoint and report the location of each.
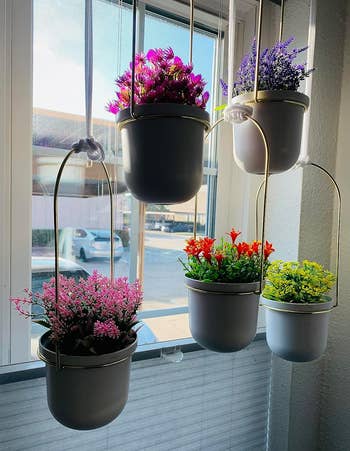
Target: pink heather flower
(160, 76)
(89, 307)
(106, 329)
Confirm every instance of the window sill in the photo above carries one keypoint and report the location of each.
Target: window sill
(36, 369)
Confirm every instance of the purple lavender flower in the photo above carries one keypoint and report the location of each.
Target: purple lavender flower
(160, 76)
(277, 70)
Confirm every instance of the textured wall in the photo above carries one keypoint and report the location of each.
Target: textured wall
(313, 419)
(317, 208)
(335, 414)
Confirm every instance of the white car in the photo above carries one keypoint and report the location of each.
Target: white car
(95, 243)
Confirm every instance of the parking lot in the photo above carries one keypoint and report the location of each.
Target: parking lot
(163, 276)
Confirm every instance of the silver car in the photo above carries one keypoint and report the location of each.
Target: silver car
(95, 243)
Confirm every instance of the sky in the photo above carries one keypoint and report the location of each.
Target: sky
(58, 79)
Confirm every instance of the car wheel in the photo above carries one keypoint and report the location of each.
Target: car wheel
(82, 255)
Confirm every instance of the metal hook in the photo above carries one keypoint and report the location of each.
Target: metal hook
(55, 209)
(302, 165)
(280, 35)
(134, 19)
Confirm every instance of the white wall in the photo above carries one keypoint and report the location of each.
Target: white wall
(335, 414)
(307, 412)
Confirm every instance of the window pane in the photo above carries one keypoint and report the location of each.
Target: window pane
(58, 122)
(167, 328)
(161, 32)
(167, 228)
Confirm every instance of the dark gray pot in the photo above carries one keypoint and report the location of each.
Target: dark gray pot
(163, 151)
(223, 316)
(282, 122)
(300, 336)
(85, 394)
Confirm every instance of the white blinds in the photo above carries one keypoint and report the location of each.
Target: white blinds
(208, 402)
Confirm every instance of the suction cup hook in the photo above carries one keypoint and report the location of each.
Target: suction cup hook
(302, 162)
(236, 113)
(93, 149)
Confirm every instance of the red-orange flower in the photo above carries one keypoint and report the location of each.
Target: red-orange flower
(219, 257)
(206, 246)
(255, 246)
(268, 249)
(242, 248)
(249, 251)
(192, 247)
(233, 234)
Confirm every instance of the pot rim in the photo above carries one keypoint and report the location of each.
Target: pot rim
(157, 110)
(223, 287)
(84, 361)
(289, 307)
(294, 97)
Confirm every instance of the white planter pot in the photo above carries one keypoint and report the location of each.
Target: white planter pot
(223, 316)
(280, 114)
(297, 332)
(87, 392)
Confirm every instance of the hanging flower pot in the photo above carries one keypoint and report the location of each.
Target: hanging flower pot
(163, 151)
(278, 108)
(223, 316)
(92, 327)
(163, 139)
(297, 312)
(223, 285)
(281, 115)
(297, 332)
(86, 392)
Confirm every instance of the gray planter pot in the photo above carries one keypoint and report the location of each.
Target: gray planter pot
(295, 332)
(87, 392)
(163, 151)
(223, 316)
(280, 114)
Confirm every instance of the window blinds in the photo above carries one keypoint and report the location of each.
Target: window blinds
(208, 401)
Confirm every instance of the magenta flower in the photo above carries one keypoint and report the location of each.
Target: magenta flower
(106, 329)
(160, 77)
(94, 315)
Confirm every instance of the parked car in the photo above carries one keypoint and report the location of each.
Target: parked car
(157, 225)
(43, 269)
(177, 227)
(95, 243)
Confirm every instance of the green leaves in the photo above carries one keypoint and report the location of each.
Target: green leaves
(221, 107)
(232, 269)
(305, 282)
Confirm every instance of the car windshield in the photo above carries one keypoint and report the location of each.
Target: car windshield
(104, 234)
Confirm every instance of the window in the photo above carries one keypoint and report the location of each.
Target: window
(58, 121)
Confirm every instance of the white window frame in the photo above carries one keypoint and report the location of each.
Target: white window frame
(16, 180)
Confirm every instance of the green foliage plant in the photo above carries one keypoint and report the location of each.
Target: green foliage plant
(298, 282)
